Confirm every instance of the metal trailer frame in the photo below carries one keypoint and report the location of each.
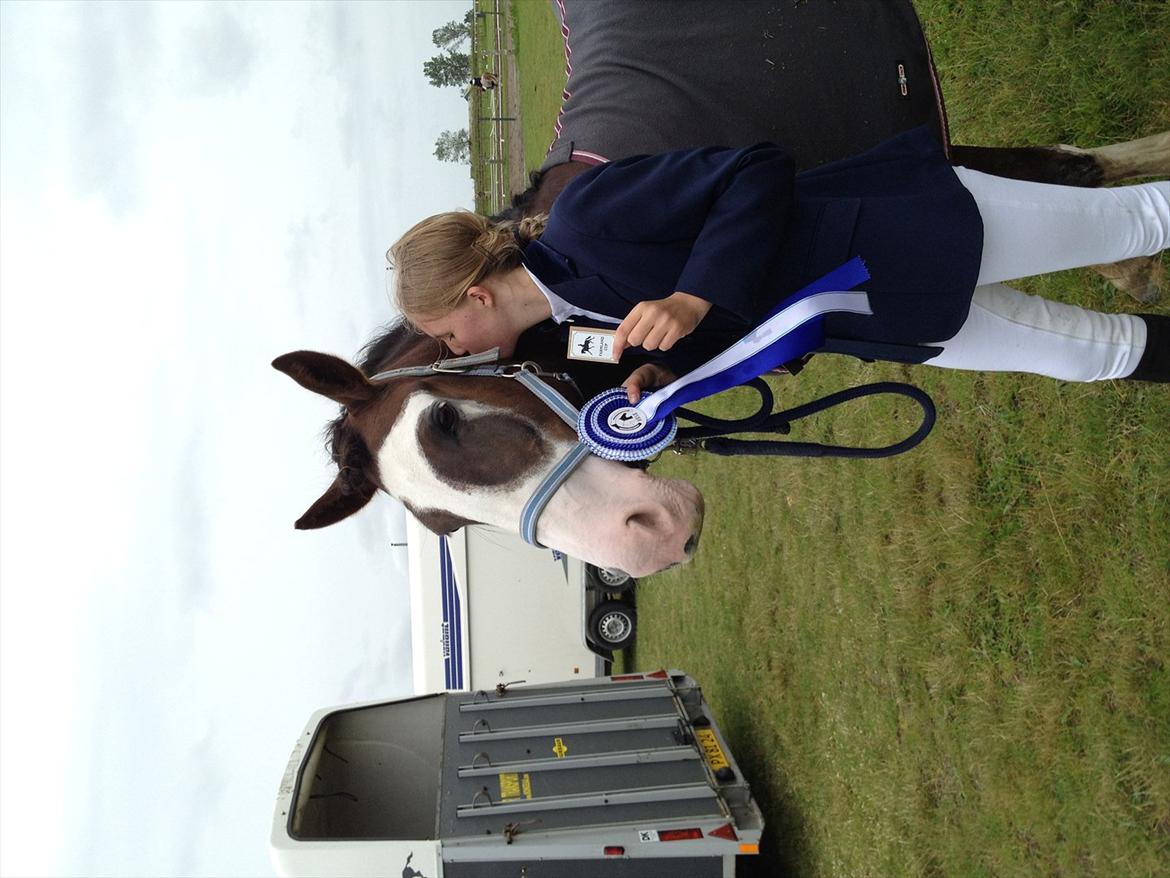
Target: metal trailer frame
(625, 775)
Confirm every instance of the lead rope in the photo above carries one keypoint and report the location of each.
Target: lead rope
(712, 432)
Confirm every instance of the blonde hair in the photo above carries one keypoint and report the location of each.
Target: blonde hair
(440, 258)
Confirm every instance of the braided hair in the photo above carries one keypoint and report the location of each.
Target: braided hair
(440, 258)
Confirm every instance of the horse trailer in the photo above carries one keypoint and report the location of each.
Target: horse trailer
(487, 608)
(617, 776)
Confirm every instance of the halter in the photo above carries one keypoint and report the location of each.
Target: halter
(532, 376)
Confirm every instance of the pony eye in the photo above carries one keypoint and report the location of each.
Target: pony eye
(445, 417)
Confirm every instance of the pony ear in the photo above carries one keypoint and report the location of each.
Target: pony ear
(335, 504)
(327, 375)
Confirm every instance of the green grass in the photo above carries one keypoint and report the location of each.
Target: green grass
(540, 57)
(948, 663)
(488, 198)
(1066, 71)
(955, 662)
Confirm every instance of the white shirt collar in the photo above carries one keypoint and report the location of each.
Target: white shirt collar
(562, 310)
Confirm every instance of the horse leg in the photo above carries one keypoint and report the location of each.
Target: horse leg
(1069, 165)
(1141, 277)
(1145, 157)
(1037, 164)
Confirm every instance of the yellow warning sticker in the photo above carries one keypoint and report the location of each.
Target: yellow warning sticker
(559, 748)
(709, 744)
(509, 786)
(515, 786)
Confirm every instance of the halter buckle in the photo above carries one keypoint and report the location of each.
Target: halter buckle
(511, 370)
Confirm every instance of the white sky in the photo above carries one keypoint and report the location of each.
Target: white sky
(187, 191)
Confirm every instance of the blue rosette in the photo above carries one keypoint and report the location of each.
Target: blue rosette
(612, 428)
(615, 430)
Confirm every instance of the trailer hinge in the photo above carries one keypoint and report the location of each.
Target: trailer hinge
(501, 688)
(511, 830)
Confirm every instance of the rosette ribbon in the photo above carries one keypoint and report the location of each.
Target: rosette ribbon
(615, 430)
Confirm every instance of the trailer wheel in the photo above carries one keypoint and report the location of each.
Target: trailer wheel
(613, 624)
(610, 579)
(615, 580)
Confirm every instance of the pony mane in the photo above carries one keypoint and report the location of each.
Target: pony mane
(397, 344)
(522, 202)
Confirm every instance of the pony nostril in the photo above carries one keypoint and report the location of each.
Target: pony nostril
(641, 520)
(692, 543)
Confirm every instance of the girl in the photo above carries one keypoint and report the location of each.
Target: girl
(687, 251)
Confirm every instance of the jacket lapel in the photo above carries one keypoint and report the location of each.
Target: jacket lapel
(559, 274)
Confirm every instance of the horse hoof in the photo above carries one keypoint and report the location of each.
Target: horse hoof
(1142, 278)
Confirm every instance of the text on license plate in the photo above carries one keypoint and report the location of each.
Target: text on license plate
(711, 749)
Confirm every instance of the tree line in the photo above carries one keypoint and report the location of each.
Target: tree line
(451, 67)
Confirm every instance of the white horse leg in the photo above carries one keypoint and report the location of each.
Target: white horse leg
(1142, 277)
(1145, 157)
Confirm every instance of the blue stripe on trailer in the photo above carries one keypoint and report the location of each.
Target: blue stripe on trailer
(456, 620)
(452, 619)
(445, 629)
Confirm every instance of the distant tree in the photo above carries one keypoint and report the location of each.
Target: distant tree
(454, 146)
(448, 68)
(452, 35)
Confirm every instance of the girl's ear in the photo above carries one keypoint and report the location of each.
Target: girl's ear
(481, 295)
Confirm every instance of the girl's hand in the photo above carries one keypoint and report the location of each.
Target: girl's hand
(658, 324)
(646, 377)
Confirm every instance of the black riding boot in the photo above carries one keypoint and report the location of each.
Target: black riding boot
(1155, 362)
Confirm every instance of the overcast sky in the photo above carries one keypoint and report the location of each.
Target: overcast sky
(186, 191)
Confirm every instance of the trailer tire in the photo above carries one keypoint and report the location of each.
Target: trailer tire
(613, 624)
(610, 580)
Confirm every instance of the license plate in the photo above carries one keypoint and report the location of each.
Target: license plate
(712, 752)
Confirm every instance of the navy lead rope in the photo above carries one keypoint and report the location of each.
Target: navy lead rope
(711, 434)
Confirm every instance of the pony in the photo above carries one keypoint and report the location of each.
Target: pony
(459, 450)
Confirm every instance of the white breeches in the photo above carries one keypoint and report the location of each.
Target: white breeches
(1008, 331)
(1034, 228)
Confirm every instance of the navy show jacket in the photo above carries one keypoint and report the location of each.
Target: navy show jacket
(740, 229)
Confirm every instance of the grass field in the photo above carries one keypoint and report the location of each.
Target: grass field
(540, 54)
(489, 167)
(956, 662)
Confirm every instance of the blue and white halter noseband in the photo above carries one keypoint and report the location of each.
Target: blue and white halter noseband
(531, 376)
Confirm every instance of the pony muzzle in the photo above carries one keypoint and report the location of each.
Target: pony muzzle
(615, 516)
(663, 533)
